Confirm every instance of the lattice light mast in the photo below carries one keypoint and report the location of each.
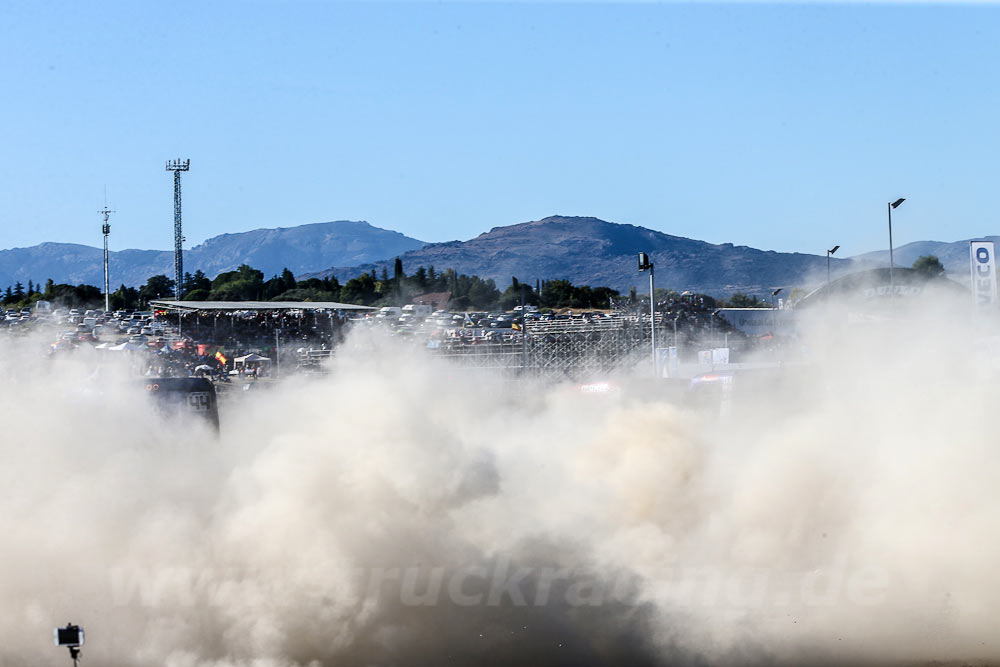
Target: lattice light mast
(106, 230)
(177, 166)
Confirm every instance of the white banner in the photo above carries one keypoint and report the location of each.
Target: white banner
(666, 361)
(984, 279)
(720, 355)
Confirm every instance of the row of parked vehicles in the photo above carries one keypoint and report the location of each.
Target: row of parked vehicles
(44, 312)
(77, 325)
(420, 316)
(100, 323)
(14, 315)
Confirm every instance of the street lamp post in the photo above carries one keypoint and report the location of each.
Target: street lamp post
(645, 264)
(774, 311)
(889, 207)
(277, 352)
(828, 254)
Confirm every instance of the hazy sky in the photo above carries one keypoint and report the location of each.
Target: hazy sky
(784, 126)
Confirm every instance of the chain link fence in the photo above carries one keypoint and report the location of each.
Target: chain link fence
(572, 348)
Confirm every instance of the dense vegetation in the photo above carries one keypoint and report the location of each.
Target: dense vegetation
(248, 284)
(929, 266)
(465, 292)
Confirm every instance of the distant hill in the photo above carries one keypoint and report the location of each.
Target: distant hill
(302, 248)
(583, 250)
(954, 255)
(595, 252)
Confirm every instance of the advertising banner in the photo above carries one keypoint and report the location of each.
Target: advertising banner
(984, 279)
(666, 362)
(720, 356)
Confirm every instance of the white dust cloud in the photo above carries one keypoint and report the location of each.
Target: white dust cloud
(402, 511)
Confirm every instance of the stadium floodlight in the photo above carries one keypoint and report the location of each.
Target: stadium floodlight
(644, 265)
(177, 166)
(644, 262)
(71, 635)
(72, 638)
(828, 253)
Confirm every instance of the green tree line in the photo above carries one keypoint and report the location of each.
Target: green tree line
(246, 283)
(369, 289)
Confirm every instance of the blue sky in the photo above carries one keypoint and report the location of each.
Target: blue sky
(780, 126)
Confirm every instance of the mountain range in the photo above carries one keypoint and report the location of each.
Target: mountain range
(302, 248)
(595, 252)
(954, 255)
(584, 250)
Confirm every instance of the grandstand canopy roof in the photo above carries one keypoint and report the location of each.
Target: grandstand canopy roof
(256, 305)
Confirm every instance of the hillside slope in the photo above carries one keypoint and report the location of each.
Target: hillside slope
(302, 248)
(591, 251)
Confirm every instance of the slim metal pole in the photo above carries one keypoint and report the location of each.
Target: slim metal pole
(524, 335)
(827, 267)
(107, 294)
(892, 289)
(652, 317)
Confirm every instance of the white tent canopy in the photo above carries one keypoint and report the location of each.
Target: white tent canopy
(126, 346)
(253, 358)
(252, 361)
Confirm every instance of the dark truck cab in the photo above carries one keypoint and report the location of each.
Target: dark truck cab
(185, 397)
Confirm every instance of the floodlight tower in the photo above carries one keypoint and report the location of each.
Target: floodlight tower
(106, 230)
(177, 166)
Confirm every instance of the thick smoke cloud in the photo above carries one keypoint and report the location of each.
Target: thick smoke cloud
(402, 511)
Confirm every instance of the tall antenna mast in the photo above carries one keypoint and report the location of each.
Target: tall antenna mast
(106, 230)
(177, 166)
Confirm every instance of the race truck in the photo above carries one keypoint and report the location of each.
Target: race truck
(185, 397)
